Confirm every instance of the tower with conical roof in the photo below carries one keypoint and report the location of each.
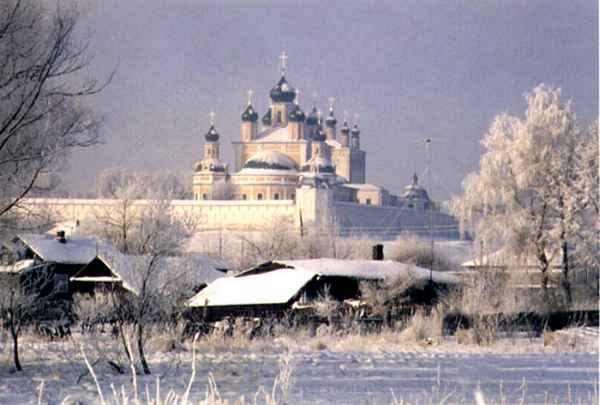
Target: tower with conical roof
(210, 177)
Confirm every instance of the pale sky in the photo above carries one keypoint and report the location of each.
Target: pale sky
(410, 69)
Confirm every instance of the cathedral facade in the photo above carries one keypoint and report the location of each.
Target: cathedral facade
(287, 149)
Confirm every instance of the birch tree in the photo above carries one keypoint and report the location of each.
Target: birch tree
(146, 233)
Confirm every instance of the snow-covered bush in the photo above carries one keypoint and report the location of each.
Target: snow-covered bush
(414, 250)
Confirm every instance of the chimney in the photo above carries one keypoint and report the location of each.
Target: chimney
(60, 236)
(378, 252)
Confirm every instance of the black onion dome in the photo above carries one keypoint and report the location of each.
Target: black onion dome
(212, 135)
(330, 121)
(313, 117)
(283, 92)
(249, 115)
(266, 119)
(345, 128)
(296, 115)
(319, 135)
(355, 130)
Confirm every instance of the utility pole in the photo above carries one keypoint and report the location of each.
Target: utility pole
(428, 151)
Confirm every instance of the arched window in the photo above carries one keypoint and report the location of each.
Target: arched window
(259, 196)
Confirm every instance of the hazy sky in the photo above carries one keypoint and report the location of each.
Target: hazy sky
(411, 69)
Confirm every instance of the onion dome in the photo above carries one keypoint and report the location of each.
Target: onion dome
(266, 119)
(212, 135)
(319, 135)
(355, 130)
(345, 128)
(283, 92)
(330, 121)
(249, 115)
(313, 117)
(270, 160)
(296, 115)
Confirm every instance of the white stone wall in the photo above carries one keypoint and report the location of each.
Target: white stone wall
(209, 214)
(316, 207)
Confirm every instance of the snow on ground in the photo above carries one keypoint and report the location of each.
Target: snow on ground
(322, 374)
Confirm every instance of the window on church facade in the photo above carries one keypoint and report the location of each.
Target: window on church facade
(204, 197)
(244, 197)
(259, 196)
(276, 196)
(368, 201)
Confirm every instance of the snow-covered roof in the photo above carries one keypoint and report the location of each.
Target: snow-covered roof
(274, 135)
(275, 287)
(270, 160)
(168, 273)
(266, 172)
(76, 250)
(369, 187)
(366, 269)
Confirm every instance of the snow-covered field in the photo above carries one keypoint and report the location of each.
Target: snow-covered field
(341, 370)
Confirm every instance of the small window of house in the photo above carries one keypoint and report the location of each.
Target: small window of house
(259, 196)
(276, 196)
(61, 283)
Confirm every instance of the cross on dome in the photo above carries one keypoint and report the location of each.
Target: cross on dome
(250, 92)
(283, 62)
(211, 117)
(297, 99)
(331, 103)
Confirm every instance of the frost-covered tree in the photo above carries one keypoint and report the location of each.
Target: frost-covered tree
(43, 115)
(528, 194)
(146, 233)
(21, 303)
(150, 184)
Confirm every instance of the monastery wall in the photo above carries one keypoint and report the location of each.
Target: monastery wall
(389, 222)
(314, 207)
(232, 214)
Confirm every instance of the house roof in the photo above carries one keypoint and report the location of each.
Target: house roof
(367, 269)
(166, 273)
(274, 287)
(280, 281)
(76, 250)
